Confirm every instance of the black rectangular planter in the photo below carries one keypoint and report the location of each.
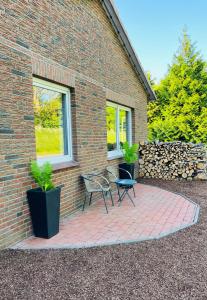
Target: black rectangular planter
(127, 167)
(45, 211)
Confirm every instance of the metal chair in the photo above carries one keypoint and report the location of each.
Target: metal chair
(96, 183)
(125, 184)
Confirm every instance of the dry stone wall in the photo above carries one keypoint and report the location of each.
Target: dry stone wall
(173, 160)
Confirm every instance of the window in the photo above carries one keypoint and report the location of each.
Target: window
(52, 122)
(118, 119)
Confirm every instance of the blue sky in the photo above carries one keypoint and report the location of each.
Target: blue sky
(155, 26)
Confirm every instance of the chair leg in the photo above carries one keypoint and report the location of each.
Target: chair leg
(105, 202)
(127, 192)
(90, 198)
(134, 192)
(112, 200)
(119, 193)
(122, 197)
(84, 203)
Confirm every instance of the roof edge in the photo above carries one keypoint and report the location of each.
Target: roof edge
(113, 16)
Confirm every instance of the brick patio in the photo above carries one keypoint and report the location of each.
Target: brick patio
(157, 213)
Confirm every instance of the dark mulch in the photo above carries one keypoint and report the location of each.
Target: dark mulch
(174, 267)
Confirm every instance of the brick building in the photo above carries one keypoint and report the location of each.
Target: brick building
(71, 90)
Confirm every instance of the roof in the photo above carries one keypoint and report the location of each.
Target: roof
(124, 39)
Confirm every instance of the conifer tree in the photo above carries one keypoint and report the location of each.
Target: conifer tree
(180, 111)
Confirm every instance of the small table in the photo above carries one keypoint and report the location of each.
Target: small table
(125, 184)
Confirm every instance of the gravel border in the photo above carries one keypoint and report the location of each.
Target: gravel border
(174, 267)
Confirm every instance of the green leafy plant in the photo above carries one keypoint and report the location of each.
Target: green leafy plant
(130, 152)
(42, 175)
(180, 111)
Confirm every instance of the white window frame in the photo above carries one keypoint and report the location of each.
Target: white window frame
(118, 152)
(67, 129)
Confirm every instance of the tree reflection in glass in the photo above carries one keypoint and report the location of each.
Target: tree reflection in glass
(111, 128)
(122, 126)
(48, 117)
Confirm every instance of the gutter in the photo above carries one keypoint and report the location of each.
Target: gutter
(123, 37)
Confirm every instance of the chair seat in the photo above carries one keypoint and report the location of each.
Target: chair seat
(125, 182)
(104, 189)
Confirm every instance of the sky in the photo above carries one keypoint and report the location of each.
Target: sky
(154, 28)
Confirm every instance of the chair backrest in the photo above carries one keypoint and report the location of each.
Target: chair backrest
(90, 184)
(113, 173)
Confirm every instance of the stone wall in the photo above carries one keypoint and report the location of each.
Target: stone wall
(174, 161)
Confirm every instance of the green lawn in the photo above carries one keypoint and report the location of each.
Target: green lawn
(49, 141)
(111, 136)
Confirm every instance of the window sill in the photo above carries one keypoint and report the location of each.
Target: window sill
(115, 156)
(65, 165)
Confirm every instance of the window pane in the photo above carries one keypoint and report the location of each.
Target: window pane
(123, 126)
(48, 112)
(111, 128)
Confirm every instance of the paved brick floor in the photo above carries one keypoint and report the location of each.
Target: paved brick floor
(157, 214)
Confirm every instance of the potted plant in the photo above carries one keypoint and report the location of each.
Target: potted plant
(130, 156)
(44, 202)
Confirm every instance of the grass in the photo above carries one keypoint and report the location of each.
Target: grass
(111, 136)
(49, 141)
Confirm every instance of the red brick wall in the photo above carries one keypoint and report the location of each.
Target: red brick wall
(73, 44)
